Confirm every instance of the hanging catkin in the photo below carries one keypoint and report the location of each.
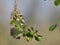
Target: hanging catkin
(17, 21)
(18, 27)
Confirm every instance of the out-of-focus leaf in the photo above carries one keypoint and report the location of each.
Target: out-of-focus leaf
(29, 38)
(38, 37)
(29, 35)
(11, 21)
(23, 26)
(32, 28)
(14, 32)
(29, 30)
(24, 33)
(52, 28)
(21, 15)
(57, 2)
(17, 26)
(14, 18)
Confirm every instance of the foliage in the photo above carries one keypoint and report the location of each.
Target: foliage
(57, 2)
(19, 28)
(53, 27)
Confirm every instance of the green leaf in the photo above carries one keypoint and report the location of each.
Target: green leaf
(38, 37)
(24, 33)
(23, 26)
(57, 2)
(53, 27)
(17, 26)
(29, 38)
(29, 34)
(11, 21)
(16, 16)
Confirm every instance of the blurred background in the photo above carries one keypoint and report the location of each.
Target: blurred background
(38, 13)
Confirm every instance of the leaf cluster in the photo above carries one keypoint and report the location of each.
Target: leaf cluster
(18, 27)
